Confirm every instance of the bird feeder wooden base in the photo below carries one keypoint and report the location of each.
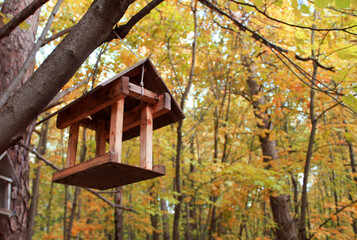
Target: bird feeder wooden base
(104, 172)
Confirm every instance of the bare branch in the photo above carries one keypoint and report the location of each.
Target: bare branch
(334, 214)
(123, 30)
(19, 18)
(57, 35)
(290, 24)
(56, 100)
(255, 35)
(315, 61)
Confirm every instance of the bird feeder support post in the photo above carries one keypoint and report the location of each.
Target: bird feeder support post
(116, 127)
(146, 131)
(8, 195)
(72, 144)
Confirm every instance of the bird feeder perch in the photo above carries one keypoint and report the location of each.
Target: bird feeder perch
(8, 177)
(117, 110)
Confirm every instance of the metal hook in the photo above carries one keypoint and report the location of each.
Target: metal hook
(142, 81)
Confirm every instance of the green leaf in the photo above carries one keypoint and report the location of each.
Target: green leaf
(321, 3)
(342, 3)
(349, 137)
(295, 4)
(5, 19)
(347, 55)
(25, 26)
(258, 3)
(278, 3)
(350, 101)
(353, 3)
(304, 9)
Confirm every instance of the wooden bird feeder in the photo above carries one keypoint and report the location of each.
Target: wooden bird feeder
(8, 177)
(117, 110)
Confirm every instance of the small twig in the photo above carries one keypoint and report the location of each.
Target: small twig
(335, 213)
(123, 30)
(57, 35)
(290, 24)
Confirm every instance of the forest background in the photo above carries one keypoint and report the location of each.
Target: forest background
(267, 149)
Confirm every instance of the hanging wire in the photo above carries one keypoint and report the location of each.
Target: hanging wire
(142, 71)
(127, 46)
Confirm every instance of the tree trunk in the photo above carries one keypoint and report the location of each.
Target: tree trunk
(313, 120)
(36, 182)
(165, 220)
(73, 213)
(118, 214)
(280, 205)
(13, 51)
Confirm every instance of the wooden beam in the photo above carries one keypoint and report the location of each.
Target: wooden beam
(72, 144)
(132, 117)
(116, 127)
(93, 102)
(147, 95)
(100, 138)
(90, 124)
(146, 129)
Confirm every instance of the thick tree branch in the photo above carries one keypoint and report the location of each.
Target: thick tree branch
(19, 18)
(53, 166)
(123, 30)
(58, 68)
(315, 61)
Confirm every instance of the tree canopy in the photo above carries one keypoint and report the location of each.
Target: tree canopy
(267, 149)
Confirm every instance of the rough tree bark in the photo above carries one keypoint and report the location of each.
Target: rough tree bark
(13, 51)
(118, 214)
(280, 205)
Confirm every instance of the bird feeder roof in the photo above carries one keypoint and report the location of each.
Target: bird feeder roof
(152, 81)
(7, 169)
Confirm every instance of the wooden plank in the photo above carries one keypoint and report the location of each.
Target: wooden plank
(93, 102)
(88, 123)
(146, 129)
(72, 144)
(5, 212)
(116, 127)
(159, 168)
(104, 172)
(132, 117)
(75, 169)
(101, 138)
(148, 96)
